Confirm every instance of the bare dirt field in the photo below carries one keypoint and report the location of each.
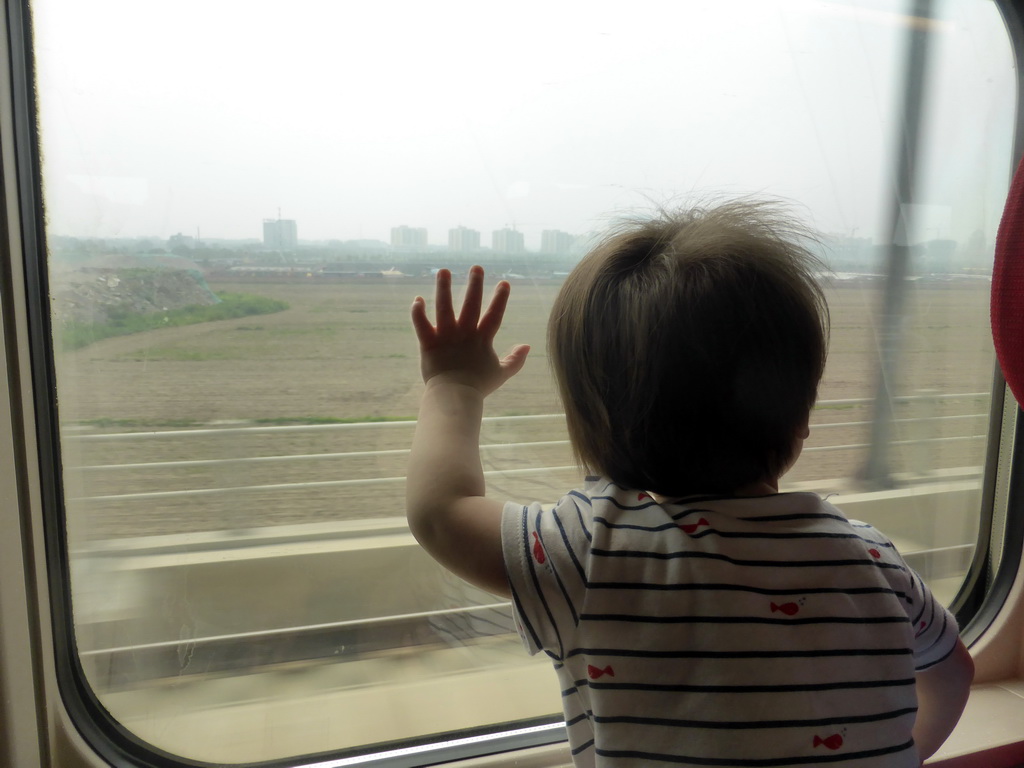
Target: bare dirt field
(344, 351)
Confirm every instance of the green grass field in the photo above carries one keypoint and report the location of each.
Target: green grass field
(75, 335)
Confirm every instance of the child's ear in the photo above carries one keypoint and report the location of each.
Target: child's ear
(804, 430)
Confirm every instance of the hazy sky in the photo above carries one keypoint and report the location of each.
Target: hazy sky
(353, 117)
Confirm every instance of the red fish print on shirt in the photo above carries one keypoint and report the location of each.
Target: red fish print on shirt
(921, 628)
(538, 550)
(642, 496)
(692, 527)
(835, 741)
(789, 609)
(594, 673)
(875, 553)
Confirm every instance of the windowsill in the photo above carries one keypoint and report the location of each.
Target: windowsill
(991, 732)
(990, 735)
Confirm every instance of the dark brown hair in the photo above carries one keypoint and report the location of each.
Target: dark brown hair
(688, 348)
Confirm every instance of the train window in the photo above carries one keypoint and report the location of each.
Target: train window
(242, 199)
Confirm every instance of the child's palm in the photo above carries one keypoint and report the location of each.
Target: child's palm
(461, 349)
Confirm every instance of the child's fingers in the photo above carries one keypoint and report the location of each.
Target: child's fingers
(445, 319)
(491, 321)
(470, 314)
(420, 321)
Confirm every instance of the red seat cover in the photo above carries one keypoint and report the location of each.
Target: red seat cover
(1008, 289)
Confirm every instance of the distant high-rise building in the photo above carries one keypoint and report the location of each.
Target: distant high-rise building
(280, 234)
(181, 242)
(556, 241)
(507, 241)
(463, 239)
(409, 238)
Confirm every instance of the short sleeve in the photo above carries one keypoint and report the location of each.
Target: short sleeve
(932, 626)
(545, 550)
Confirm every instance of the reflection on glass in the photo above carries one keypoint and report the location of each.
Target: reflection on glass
(241, 211)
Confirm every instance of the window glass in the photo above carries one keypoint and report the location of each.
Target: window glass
(242, 201)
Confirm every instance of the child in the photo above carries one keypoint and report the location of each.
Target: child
(694, 615)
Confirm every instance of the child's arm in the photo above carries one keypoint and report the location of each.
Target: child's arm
(941, 696)
(448, 513)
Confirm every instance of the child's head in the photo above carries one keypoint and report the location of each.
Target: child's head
(688, 349)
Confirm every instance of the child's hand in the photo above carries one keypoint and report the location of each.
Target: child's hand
(461, 350)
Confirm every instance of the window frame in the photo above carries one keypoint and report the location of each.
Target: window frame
(987, 585)
(978, 604)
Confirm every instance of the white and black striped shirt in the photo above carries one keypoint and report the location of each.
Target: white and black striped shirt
(766, 631)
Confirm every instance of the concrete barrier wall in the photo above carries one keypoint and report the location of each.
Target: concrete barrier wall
(180, 588)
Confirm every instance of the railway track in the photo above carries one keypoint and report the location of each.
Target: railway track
(148, 483)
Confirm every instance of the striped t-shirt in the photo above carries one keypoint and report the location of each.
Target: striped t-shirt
(766, 631)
